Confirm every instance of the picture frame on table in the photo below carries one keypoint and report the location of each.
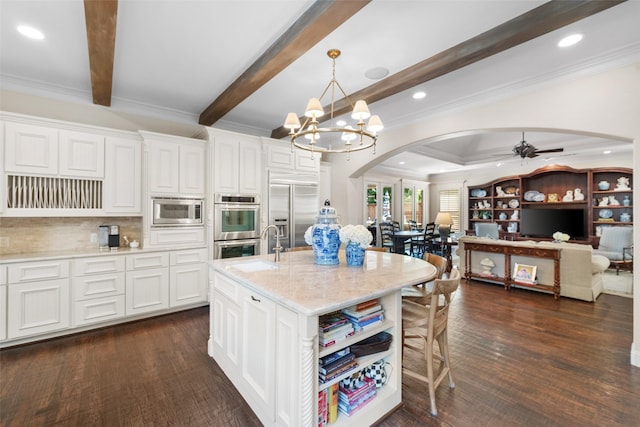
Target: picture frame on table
(524, 273)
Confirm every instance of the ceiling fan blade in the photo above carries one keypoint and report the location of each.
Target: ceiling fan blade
(552, 150)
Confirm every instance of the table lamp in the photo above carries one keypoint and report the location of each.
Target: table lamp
(444, 221)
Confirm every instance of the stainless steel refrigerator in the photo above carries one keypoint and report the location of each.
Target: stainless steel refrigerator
(293, 207)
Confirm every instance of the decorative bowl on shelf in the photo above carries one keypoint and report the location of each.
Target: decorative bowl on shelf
(478, 192)
(513, 204)
(530, 196)
(603, 186)
(605, 213)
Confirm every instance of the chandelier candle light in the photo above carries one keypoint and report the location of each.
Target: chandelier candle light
(310, 132)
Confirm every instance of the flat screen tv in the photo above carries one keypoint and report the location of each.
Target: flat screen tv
(544, 222)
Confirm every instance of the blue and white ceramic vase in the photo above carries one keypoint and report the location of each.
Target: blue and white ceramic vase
(326, 237)
(355, 254)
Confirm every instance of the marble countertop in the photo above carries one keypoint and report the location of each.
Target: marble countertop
(305, 287)
(53, 254)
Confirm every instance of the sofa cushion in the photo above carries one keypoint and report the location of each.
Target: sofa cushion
(599, 264)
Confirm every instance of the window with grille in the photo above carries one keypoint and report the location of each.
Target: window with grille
(450, 202)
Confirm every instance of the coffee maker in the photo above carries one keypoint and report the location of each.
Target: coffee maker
(109, 236)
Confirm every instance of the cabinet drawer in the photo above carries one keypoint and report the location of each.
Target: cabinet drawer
(98, 265)
(150, 260)
(98, 286)
(188, 257)
(98, 310)
(226, 287)
(180, 236)
(30, 271)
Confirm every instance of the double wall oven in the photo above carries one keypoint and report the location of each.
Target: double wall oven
(236, 230)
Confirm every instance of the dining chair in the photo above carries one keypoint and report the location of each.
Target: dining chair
(423, 244)
(421, 293)
(429, 324)
(386, 236)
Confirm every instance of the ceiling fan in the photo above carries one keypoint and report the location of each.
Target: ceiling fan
(526, 150)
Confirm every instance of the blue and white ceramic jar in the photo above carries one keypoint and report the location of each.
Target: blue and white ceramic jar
(355, 254)
(325, 237)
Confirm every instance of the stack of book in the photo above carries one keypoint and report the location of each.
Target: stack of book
(364, 315)
(333, 328)
(351, 400)
(336, 364)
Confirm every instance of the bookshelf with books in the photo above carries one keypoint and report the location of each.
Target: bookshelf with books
(367, 319)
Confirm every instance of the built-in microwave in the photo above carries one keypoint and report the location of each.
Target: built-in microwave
(236, 217)
(177, 212)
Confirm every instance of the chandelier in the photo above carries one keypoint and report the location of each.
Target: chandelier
(338, 139)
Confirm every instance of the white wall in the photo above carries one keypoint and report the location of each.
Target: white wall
(607, 103)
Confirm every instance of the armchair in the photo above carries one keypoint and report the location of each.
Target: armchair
(616, 244)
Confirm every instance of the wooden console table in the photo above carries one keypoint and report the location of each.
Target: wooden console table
(508, 251)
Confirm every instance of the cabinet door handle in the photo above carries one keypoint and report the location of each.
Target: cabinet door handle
(254, 299)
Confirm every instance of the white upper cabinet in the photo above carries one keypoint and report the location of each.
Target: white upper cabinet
(238, 162)
(81, 154)
(31, 149)
(176, 165)
(279, 156)
(123, 176)
(192, 167)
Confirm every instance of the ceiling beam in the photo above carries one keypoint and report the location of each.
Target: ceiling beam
(314, 25)
(100, 18)
(541, 20)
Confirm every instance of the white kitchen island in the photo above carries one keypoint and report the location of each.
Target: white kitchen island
(264, 328)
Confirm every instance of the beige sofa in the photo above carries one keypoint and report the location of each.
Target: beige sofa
(581, 272)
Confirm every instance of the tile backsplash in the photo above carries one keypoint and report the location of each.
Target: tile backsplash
(26, 235)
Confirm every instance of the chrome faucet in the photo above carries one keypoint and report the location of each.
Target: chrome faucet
(277, 249)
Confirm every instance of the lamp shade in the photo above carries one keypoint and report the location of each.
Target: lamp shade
(292, 121)
(314, 108)
(375, 124)
(443, 218)
(360, 111)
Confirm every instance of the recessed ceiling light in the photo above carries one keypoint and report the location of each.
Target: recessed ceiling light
(341, 123)
(570, 40)
(606, 152)
(419, 95)
(30, 32)
(376, 73)
(402, 163)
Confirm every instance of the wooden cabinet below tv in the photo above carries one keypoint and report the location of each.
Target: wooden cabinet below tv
(590, 191)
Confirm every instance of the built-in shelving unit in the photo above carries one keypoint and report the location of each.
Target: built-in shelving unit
(555, 187)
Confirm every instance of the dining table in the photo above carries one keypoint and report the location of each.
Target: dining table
(401, 238)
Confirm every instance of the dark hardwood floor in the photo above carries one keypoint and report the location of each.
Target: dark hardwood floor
(519, 359)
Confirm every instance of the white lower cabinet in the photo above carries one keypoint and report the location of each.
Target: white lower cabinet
(3, 312)
(147, 290)
(187, 277)
(38, 298)
(258, 345)
(3, 302)
(255, 341)
(37, 307)
(98, 289)
(147, 287)
(55, 297)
